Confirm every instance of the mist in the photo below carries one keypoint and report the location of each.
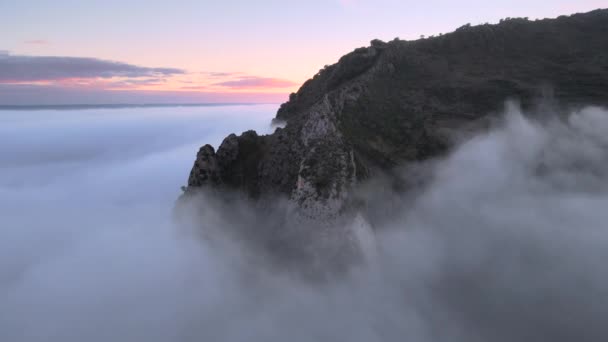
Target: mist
(504, 240)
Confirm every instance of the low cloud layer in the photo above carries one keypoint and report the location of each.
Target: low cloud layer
(505, 241)
(18, 68)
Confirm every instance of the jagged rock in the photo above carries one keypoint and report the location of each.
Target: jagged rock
(205, 170)
(400, 101)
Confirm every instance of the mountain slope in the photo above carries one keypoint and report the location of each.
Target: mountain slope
(390, 103)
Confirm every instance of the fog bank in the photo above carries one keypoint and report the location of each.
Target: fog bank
(505, 242)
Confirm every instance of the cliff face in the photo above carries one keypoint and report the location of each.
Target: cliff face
(390, 103)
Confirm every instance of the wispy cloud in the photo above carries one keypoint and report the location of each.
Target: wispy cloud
(37, 42)
(220, 74)
(48, 79)
(256, 82)
(134, 83)
(195, 87)
(18, 68)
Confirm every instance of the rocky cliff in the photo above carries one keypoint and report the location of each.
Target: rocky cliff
(404, 100)
(393, 102)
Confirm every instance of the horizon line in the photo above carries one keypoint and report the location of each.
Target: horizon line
(128, 105)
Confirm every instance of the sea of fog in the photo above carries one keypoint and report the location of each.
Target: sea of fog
(87, 247)
(505, 240)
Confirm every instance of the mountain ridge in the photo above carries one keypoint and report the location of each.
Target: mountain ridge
(396, 102)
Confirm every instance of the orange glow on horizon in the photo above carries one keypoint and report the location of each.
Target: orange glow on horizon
(221, 83)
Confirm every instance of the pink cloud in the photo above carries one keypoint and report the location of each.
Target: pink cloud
(37, 42)
(194, 87)
(63, 71)
(54, 94)
(256, 82)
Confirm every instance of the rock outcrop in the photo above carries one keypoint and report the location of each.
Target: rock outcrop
(399, 101)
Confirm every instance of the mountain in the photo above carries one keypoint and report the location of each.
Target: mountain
(396, 102)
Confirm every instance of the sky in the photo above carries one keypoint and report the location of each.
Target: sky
(75, 52)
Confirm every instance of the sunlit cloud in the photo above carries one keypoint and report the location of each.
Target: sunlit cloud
(195, 87)
(256, 82)
(138, 82)
(39, 94)
(220, 74)
(41, 75)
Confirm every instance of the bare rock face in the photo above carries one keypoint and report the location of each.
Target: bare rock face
(391, 103)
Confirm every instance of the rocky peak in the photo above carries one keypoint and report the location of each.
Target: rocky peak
(206, 170)
(394, 102)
